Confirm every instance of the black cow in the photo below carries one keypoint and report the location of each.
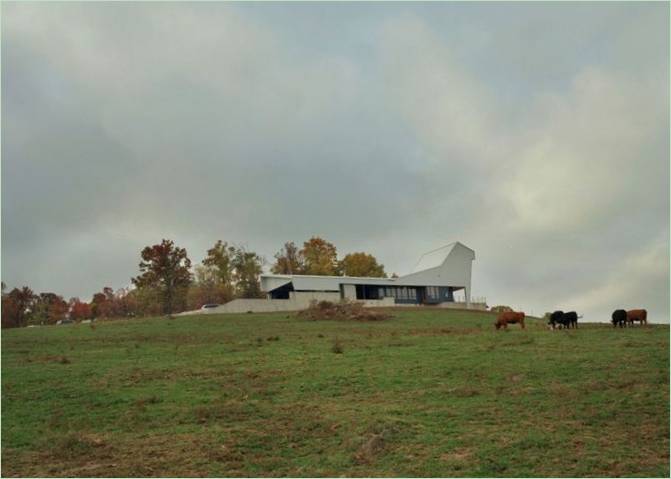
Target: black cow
(572, 318)
(566, 320)
(556, 319)
(619, 318)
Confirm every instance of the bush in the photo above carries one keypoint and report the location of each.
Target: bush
(501, 309)
(343, 311)
(337, 347)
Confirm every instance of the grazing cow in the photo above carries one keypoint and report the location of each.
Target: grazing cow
(565, 320)
(619, 318)
(572, 319)
(556, 319)
(509, 317)
(640, 315)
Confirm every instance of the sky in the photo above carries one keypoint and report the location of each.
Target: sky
(535, 133)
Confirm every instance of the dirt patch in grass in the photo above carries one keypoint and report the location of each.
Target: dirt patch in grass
(443, 331)
(377, 441)
(343, 311)
(81, 455)
(464, 392)
(369, 449)
(60, 359)
(457, 455)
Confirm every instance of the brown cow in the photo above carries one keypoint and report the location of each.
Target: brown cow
(640, 315)
(509, 317)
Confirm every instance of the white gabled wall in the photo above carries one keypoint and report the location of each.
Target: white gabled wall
(454, 271)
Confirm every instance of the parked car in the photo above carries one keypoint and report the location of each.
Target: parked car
(209, 306)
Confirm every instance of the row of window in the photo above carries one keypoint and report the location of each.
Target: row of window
(398, 293)
(433, 292)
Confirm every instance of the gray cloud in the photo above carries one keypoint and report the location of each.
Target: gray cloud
(537, 134)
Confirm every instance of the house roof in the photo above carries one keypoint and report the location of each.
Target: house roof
(433, 258)
(429, 260)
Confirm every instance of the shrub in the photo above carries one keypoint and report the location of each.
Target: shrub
(337, 347)
(501, 309)
(343, 311)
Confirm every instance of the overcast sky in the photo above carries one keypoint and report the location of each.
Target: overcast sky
(535, 133)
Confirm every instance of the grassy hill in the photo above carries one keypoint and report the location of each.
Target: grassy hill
(428, 393)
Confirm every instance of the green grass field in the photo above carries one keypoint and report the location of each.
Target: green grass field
(428, 393)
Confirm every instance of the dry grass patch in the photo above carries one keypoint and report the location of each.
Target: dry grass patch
(343, 311)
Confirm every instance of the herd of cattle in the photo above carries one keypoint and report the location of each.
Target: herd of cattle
(560, 319)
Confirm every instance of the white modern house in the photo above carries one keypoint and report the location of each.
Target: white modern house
(436, 277)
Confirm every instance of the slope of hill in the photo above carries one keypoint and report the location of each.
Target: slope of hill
(428, 393)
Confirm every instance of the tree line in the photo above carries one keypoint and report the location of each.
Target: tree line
(167, 284)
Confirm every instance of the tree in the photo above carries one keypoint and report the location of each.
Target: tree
(320, 257)
(220, 259)
(362, 264)
(289, 260)
(79, 310)
(102, 304)
(124, 303)
(208, 288)
(16, 306)
(165, 267)
(246, 270)
(145, 301)
(49, 308)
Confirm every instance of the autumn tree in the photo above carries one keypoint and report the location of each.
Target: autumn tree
(165, 267)
(16, 306)
(220, 259)
(289, 260)
(102, 304)
(145, 301)
(10, 313)
(49, 308)
(208, 288)
(246, 270)
(361, 264)
(79, 310)
(320, 257)
(124, 303)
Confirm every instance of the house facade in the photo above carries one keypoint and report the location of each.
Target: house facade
(435, 279)
(438, 275)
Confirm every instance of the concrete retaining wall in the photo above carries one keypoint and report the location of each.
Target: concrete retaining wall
(301, 300)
